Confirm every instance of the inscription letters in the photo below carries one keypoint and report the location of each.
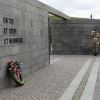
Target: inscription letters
(10, 31)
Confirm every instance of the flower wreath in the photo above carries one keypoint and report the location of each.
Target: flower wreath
(15, 72)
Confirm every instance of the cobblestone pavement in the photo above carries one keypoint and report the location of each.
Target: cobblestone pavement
(50, 82)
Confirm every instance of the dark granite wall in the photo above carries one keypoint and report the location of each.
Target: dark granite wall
(72, 36)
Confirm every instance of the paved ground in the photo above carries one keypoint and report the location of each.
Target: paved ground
(69, 77)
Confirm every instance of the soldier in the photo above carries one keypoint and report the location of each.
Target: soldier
(96, 39)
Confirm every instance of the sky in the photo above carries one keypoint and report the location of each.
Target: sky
(76, 8)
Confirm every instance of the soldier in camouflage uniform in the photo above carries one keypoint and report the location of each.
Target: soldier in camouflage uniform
(95, 40)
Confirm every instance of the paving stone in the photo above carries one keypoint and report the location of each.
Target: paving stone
(48, 83)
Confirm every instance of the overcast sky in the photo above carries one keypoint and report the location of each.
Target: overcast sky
(76, 8)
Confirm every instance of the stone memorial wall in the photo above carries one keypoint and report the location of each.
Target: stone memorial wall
(72, 36)
(23, 36)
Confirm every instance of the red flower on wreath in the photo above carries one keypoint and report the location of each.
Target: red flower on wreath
(14, 68)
